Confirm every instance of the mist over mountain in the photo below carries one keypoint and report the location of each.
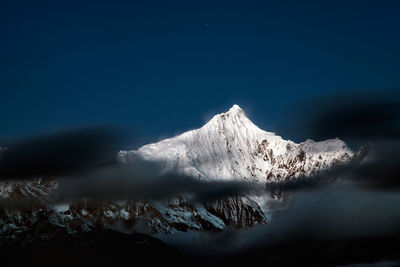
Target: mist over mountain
(209, 180)
(225, 193)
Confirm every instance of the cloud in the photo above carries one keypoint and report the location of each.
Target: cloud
(369, 120)
(353, 116)
(358, 116)
(340, 224)
(59, 154)
(380, 170)
(147, 180)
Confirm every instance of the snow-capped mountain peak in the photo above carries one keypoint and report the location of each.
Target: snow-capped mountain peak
(234, 111)
(234, 117)
(230, 146)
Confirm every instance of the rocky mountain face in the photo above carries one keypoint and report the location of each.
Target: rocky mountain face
(228, 147)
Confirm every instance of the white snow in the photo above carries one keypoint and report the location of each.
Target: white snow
(62, 207)
(124, 214)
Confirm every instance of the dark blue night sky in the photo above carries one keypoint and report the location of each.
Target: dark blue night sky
(164, 67)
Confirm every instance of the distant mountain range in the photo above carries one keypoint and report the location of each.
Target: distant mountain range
(228, 147)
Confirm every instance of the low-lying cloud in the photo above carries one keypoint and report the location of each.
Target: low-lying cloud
(60, 154)
(340, 224)
(147, 180)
